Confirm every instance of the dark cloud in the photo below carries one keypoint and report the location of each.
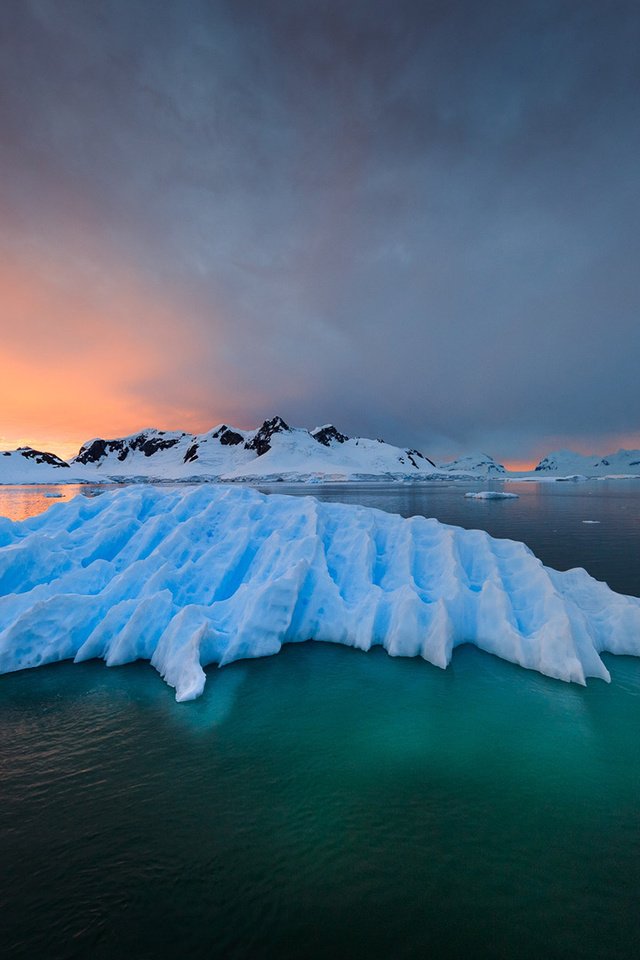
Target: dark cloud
(416, 219)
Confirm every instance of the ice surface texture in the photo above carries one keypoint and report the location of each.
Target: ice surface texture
(216, 574)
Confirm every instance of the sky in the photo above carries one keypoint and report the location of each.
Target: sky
(417, 220)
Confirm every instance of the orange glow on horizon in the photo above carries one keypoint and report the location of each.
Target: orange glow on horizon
(87, 352)
(599, 447)
(520, 466)
(84, 357)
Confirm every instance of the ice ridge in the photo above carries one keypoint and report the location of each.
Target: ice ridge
(217, 574)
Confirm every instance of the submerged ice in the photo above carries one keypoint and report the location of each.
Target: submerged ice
(217, 574)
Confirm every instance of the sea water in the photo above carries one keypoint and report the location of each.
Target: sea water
(331, 803)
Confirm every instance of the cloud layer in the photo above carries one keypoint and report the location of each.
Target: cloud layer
(416, 219)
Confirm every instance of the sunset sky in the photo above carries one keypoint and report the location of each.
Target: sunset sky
(418, 220)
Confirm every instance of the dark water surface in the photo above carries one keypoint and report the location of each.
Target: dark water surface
(330, 803)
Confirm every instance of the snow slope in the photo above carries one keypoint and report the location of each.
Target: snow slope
(297, 454)
(26, 465)
(220, 573)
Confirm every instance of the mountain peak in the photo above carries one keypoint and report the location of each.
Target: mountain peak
(327, 433)
(41, 456)
(261, 440)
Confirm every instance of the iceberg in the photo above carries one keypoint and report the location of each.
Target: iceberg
(492, 495)
(218, 573)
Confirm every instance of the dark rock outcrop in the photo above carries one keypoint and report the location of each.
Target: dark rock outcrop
(191, 454)
(40, 456)
(92, 452)
(148, 445)
(227, 437)
(416, 453)
(261, 440)
(325, 435)
(153, 444)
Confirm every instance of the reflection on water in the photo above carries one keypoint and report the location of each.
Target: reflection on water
(26, 500)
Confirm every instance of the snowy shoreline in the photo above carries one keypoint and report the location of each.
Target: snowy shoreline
(308, 481)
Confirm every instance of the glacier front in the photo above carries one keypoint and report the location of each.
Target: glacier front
(218, 573)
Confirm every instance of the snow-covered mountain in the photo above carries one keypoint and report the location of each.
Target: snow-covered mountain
(165, 454)
(27, 465)
(473, 465)
(272, 452)
(566, 463)
(275, 451)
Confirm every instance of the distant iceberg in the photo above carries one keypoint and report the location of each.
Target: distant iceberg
(219, 573)
(491, 495)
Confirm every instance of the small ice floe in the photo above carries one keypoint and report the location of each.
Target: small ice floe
(54, 496)
(491, 495)
(591, 521)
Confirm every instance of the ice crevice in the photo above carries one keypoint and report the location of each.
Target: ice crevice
(217, 574)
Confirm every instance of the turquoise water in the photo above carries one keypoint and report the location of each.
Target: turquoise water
(330, 803)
